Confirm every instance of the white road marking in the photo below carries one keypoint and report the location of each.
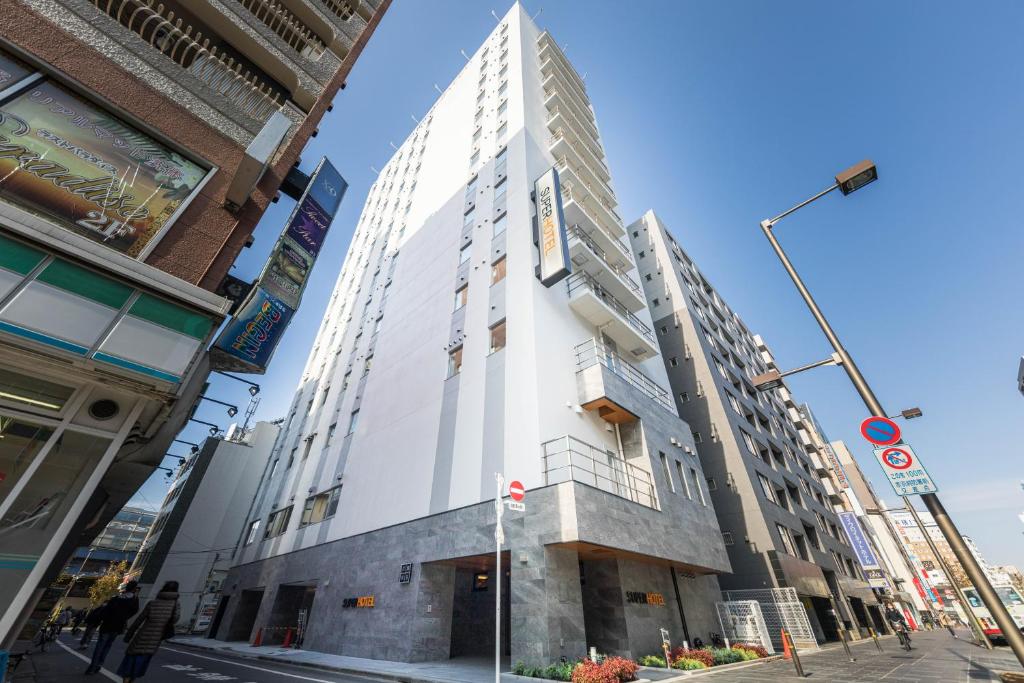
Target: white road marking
(88, 660)
(259, 668)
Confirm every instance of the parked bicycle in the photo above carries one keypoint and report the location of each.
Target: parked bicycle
(47, 633)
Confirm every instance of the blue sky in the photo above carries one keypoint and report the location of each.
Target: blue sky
(720, 114)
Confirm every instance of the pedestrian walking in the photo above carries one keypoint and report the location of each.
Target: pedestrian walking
(153, 625)
(77, 617)
(111, 619)
(948, 623)
(92, 622)
(63, 619)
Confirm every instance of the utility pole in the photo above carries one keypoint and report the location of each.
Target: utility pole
(848, 181)
(499, 538)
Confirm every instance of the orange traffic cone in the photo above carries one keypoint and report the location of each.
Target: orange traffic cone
(786, 652)
(258, 640)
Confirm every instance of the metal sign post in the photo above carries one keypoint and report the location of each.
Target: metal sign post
(499, 538)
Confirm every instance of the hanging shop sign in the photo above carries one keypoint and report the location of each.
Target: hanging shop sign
(405, 576)
(639, 598)
(551, 237)
(248, 342)
(293, 256)
(858, 541)
(95, 175)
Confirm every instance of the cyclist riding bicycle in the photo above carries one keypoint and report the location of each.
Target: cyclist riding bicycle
(898, 623)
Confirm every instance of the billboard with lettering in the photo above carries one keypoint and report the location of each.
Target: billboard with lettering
(551, 236)
(93, 174)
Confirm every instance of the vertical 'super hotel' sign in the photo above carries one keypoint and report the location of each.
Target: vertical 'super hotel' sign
(249, 339)
(551, 239)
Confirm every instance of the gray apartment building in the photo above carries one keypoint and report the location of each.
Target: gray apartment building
(777, 523)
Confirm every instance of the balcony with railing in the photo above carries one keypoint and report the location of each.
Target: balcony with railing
(588, 256)
(580, 212)
(549, 49)
(218, 68)
(563, 117)
(290, 28)
(597, 305)
(597, 194)
(556, 93)
(612, 386)
(570, 459)
(551, 67)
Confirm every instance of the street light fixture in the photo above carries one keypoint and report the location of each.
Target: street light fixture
(851, 180)
(911, 413)
(773, 378)
(253, 387)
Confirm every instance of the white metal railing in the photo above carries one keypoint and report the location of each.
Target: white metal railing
(578, 233)
(593, 352)
(582, 279)
(545, 38)
(343, 9)
(604, 188)
(286, 25)
(187, 47)
(567, 195)
(570, 459)
(556, 110)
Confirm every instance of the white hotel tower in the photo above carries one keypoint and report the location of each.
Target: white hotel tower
(442, 359)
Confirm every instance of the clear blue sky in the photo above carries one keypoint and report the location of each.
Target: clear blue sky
(720, 114)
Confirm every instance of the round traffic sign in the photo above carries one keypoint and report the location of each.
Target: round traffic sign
(880, 431)
(897, 458)
(516, 490)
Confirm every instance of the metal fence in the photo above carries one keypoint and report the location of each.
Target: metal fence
(593, 351)
(781, 609)
(743, 622)
(569, 459)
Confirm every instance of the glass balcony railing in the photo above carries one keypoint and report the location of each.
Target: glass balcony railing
(570, 459)
(582, 280)
(593, 352)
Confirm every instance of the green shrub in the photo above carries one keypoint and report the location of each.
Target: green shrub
(687, 664)
(652, 660)
(721, 655)
(756, 649)
(561, 671)
(701, 655)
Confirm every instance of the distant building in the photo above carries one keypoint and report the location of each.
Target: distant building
(201, 520)
(119, 541)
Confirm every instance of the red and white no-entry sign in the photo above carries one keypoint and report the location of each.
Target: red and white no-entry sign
(516, 490)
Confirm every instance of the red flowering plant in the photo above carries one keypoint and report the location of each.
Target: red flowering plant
(703, 656)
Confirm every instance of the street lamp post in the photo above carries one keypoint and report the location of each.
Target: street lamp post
(849, 181)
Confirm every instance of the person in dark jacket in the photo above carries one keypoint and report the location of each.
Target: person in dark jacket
(113, 617)
(92, 622)
(154, 624)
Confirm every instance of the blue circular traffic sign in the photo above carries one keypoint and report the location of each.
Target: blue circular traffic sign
(880, 431)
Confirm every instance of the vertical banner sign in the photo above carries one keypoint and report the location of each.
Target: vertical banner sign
(861, 546)
(250, 337)
(551, 237)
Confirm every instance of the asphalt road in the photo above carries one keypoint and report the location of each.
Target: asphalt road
(64, 663)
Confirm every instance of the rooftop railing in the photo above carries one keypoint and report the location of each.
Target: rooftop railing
(583, 280)
(593, 352)
(570, 459)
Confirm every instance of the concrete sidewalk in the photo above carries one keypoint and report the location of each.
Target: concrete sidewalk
(458, 670)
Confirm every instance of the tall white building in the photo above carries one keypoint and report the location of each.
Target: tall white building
(443, 359)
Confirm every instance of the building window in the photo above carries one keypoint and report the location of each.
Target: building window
(667, 471)
(682, 480)
(464, 253)
(473, 160)
(749, 442)
(498, 337)
(454, 362)
(787, 540)
(277, 523)
(500, 224)
(502, 88)
(254, 528)
(461, 296)
(367, 365)
(471, 187)
(291, 457)
(330, 434)
(684, 396)
(712, 484)
(477, 133)
(320, 507)
(727, 538)
(767, 488)
(353, 421)
(503, 107)
(696, 485)
(502, 129)
(273, 468)
(498, 271)
(697, 438)
(499, 191)
(673, 361)
(801, 547)
(467, 220)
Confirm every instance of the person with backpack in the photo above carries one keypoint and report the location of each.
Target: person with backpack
(154, 624)
(111, 620)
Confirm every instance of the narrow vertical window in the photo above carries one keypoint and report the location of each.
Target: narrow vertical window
(455, 362)
(353, 421)
(697, 487)
(667, 471)
(498, 271)
(498, 337)
(461, 296)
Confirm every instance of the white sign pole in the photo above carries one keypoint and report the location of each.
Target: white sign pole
(499, 538)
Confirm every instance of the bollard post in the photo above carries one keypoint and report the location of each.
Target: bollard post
(874, 636)
(787, 642)
(846, 645)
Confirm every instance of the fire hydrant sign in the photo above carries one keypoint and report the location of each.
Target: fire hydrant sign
(905, 472)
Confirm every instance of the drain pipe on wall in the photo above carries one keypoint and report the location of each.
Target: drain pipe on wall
(679, 604)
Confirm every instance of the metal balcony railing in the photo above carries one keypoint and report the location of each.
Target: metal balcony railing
(567, 194)
(287, 26)
(582, 279)
(593, 351)
(587, 130)
(569, 459)
(577, 232)
(188, 48)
